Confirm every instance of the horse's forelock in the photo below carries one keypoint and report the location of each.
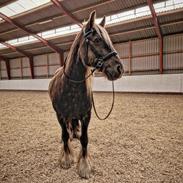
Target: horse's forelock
(104, 35)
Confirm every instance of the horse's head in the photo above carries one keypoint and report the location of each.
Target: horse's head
(96, 49)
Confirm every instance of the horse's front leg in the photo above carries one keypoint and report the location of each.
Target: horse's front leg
(67, 156)
(84, 165)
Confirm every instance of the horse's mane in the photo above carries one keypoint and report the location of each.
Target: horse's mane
(72, 55)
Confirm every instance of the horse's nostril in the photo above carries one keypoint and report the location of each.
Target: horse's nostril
(119, 68)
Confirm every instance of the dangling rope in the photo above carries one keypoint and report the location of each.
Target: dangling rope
(112, 106)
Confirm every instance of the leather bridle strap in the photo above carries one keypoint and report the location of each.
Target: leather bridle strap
(86, 34)
(99, 60)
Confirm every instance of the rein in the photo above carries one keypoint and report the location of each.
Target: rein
(112, 105)
(98, 64)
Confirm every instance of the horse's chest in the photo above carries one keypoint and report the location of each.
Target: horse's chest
(73, 101)
(74, 97)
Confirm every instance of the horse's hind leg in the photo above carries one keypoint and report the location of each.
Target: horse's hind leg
(84, 165)
(67, 156)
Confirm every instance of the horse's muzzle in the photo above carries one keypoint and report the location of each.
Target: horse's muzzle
(114, 72)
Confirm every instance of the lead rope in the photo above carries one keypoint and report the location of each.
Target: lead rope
(112, 106)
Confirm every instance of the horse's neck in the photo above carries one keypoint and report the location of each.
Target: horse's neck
(74, 66)
(76, 70)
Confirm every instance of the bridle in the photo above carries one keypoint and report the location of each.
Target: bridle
(97, 64)
(99, 60)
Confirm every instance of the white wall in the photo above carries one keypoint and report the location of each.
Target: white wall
(172, 83)
(168, 83)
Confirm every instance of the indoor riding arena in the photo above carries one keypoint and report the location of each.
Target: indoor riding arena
(141, 140)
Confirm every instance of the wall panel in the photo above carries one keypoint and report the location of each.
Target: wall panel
(145, 63)
(40, 60)
(173, 61)
(122, 49)
(173, 43)
(26, 72)
(4, 74)
(173, 52)
(15, 63)
(15, 73)
(53, 59)
(40, 66)
(143, 47)
(40, 71)
(25, 62)
(3, 65)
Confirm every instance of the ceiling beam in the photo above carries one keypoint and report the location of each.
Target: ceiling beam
(132, 31)
(155, 18)
(122, 33)
(95, 5)
(171, 23)
(24, 53)
(15, 48)
(67, 12)
(158, 32)
(44, 41)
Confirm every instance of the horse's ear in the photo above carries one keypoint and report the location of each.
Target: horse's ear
(91, 20)
(102, 23)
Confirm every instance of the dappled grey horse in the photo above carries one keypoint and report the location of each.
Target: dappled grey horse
(70, 88)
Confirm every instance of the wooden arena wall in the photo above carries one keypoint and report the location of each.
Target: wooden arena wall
(138, 57)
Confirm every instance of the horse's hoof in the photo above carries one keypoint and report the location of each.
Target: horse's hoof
(66, 161)
(84, 168)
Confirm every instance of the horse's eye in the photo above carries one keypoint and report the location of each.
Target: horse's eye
(97, 40)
